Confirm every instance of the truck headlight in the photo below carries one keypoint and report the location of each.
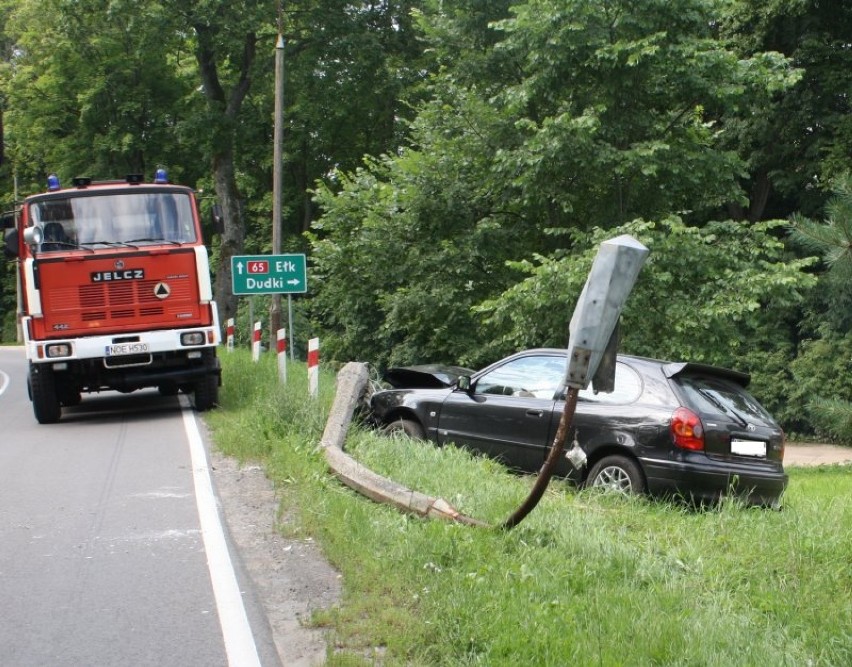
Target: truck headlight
(57, 350)
(192, 338)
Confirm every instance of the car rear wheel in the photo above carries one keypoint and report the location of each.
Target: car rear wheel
(407, 426)
(617, 473)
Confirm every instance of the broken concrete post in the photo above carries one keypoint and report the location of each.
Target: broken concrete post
(352, 383)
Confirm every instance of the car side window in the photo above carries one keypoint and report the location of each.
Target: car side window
(530, 377)
(628, 386)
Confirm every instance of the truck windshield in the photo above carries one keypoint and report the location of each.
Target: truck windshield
(115, 219)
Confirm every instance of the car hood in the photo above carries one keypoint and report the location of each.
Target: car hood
(427, 376)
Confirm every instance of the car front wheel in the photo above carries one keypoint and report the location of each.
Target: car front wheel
(617, 473)
(407, 426)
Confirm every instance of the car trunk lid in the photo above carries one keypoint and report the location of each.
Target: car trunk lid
(736, 425)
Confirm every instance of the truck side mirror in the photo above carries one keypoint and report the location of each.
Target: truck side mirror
(10, 246)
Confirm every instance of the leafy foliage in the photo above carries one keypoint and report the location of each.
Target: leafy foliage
(469, 243)
(705, 294)
(810, 124)
(823, 370)
(88, 94)
(618, 107)
(832, 240)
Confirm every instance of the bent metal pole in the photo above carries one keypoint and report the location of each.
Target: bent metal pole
(549, 466)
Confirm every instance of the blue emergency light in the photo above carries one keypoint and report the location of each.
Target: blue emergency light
(161, 176)
(53, 183)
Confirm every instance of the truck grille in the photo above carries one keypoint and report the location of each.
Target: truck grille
(120, 300)
(78, 298)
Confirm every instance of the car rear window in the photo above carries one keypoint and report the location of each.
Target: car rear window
(717, 395)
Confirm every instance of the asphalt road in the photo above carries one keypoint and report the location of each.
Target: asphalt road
(112, 551)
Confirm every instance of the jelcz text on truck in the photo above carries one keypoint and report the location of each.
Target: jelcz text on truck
(114, 292)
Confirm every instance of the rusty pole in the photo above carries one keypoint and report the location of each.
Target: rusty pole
(546, 471)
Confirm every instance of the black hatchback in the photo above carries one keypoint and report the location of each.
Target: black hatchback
(669, 428)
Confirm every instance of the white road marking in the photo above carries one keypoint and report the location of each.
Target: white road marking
(160, 494)
(4, 382)
(236, 631)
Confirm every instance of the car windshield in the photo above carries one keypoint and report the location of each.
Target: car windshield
(110, 220)
(717, 395)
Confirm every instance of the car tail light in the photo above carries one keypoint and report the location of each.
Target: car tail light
(687, 430)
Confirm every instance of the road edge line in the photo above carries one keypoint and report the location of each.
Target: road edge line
(236, 630)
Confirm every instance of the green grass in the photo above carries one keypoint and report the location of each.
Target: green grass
(586, 579)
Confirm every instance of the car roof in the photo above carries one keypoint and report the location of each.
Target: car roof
(670, 369)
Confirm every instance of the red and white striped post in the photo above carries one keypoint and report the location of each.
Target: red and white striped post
(255, 342)
(281, 336)
(313, 367)
(229, 333)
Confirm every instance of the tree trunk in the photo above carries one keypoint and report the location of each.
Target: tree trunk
(233, 233)
(759, 195)
(228, 105)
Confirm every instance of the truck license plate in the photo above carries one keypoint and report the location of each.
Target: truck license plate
(126, 348)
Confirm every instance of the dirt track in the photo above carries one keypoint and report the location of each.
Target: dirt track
(805, 454)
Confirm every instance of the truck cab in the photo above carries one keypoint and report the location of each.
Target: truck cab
(114, 292)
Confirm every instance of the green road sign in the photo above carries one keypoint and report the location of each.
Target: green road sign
(269, 274)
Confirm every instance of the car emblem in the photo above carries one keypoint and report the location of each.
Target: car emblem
(751, 427)
(119, 264)
(161, 290)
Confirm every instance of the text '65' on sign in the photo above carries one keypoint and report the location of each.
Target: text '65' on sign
(269, 274)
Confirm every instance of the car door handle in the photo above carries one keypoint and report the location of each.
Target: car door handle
(535, 413)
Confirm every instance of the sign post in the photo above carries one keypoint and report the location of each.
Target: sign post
(270, 274)
(255, 343)
(313, 367)
(230, 333)
(281, 349)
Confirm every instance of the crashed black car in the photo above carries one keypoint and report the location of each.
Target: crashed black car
(668, 429)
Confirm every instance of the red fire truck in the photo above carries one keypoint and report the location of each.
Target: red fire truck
(114, 292)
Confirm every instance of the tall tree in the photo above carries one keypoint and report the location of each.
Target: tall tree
(225, 47)
(823, 369)
(801, 139)
(598, 112)
(85, 96)
(354, 65)
(620, 106)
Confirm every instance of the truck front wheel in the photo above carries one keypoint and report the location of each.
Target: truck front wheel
(42, 387)
(206, 393)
